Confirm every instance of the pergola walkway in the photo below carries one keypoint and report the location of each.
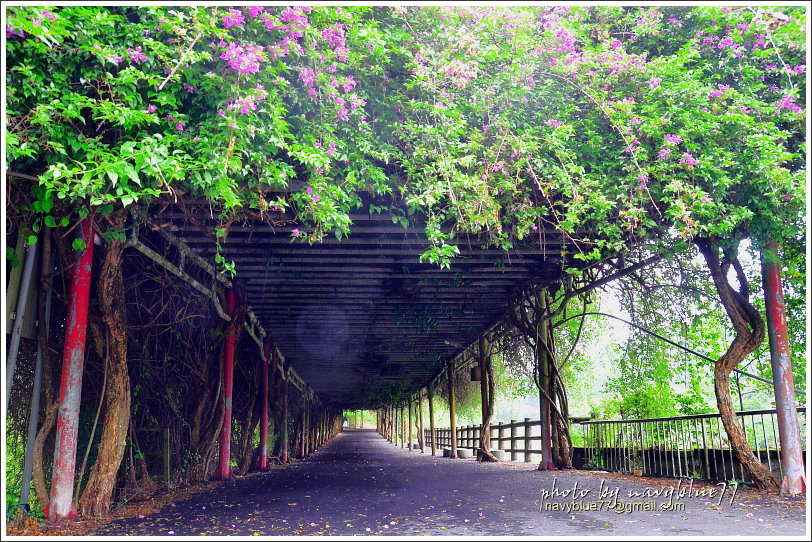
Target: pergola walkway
(359, 484)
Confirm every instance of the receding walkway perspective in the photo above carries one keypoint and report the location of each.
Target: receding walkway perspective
(359, 484)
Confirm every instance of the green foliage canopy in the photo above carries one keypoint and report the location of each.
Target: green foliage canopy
(614, 125)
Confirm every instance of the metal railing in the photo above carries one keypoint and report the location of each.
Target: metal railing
(693, 446)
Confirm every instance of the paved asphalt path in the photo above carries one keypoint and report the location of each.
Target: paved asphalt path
(360, 485)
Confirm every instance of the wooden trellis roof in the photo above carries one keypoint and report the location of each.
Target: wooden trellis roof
(357, 314)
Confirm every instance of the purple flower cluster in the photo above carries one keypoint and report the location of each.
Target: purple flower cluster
(721, 90)
(672, 139)
(254, 11)
(335, 37)
(313, 196)
(307, 76)
(787, 102)
(243, 59)
(619, 62)
(248, 103)
(296, 21)
(234, 17)
(688, 159)
(643, 181)
(295, 15)
(136, 55)
(11, 32)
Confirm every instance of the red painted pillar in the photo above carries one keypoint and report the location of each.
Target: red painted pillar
(283, 431)
(70, 389)
(223, 468)
(794, 482)
(262, 462)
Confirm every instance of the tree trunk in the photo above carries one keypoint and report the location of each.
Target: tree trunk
(208, 419)
(37, 473)
(562, 441)
(486, 387)
(51, 406)
(750, 330)
(248, 424)
(544, 361)
(208, 443)
(97, 495)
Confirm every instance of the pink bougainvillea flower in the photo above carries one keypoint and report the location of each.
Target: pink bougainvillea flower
(11, 32)
(243, 59)
(787, 102)
(233, 18)
(150, 109)
(688, 159)
(672, 139)
(350, 84)
(721, 90)
(654, 82)
(180, 126)
(136, 55)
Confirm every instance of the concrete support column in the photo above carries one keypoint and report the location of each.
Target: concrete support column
(452, 409)
(431, 422)
(223, 466)
(794, 482)
(409, 430)
(70, 388)
(421, 438)
(262, 462)
(284, 453)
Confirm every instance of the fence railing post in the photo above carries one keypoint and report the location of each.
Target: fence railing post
(527, 442)
(500, 434)
(513, 453)
(167, 476)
